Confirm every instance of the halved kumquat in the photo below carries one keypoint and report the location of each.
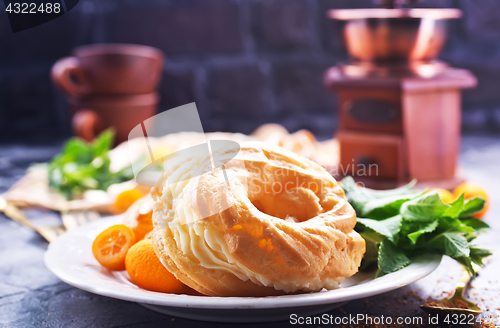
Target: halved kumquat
(111, 246)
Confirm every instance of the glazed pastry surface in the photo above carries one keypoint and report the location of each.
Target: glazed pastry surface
(280, 225)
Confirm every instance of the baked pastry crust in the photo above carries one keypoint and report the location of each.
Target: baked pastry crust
(281, 225)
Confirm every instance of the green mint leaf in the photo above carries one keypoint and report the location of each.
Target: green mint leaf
(477, 254)
(82, 166)
(360, 196)
(349, 185)
(454, 225)
(76, 150)
(453, 244)
(355, 194)
(456, 245)
(474, 223)
(472, 206)
(388, 228)
(403, 190)
(456, 208)
(467, 263)
(383, 208)
(369, 234)
(103, 143)
(390, 258)
(426, 228)
(426, 207)
(370, 257)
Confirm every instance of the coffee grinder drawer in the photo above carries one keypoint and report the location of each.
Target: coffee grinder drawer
(376, 110)
(371, 155)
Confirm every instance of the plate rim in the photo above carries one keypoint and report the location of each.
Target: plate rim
(418, 269)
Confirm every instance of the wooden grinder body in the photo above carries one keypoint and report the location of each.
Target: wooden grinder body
(393, 130)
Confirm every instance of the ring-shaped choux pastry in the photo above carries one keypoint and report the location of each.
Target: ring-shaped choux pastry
(279, 224)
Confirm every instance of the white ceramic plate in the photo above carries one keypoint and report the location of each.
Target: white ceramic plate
(70, 258)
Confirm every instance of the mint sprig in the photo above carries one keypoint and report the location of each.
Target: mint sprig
(400, 223)
(83, 166)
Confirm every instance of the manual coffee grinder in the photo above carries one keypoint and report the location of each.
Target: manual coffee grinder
(399, 107)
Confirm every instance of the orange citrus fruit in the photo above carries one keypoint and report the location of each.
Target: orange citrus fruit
(471, 190)
(146, 270)
(110, 246)
(125, 199)
(446, 196)
(138, 217)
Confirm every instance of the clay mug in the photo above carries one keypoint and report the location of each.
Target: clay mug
(92, 115)
(109, 69)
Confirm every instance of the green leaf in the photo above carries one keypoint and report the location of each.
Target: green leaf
(403, 190)
(355, 194)
(421, 224)
(477, 254)
(383, 208)
(450, 222)
(467, 263)
(474, 223)
(82, 166)
(426, 228)
(453, 244)
(472, 206)
(455, 208)
(372, 235)
(370, 257)
(103, 143)
(454, 225)
(390, 258)
(360, 196)
(426, 207)
(388, 228)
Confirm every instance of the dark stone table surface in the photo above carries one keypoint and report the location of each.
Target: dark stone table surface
(31, 296)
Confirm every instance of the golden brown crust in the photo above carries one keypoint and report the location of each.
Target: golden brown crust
(158, 240)
(263, 242)
(214, 283)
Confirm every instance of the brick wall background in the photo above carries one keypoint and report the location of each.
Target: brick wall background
(244, 62)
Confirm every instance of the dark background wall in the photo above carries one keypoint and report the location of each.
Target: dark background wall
(244, 62)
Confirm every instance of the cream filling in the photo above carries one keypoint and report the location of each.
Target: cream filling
(202, 244)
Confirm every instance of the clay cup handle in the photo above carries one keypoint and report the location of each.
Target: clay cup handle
(85, 124)
(69, 76)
